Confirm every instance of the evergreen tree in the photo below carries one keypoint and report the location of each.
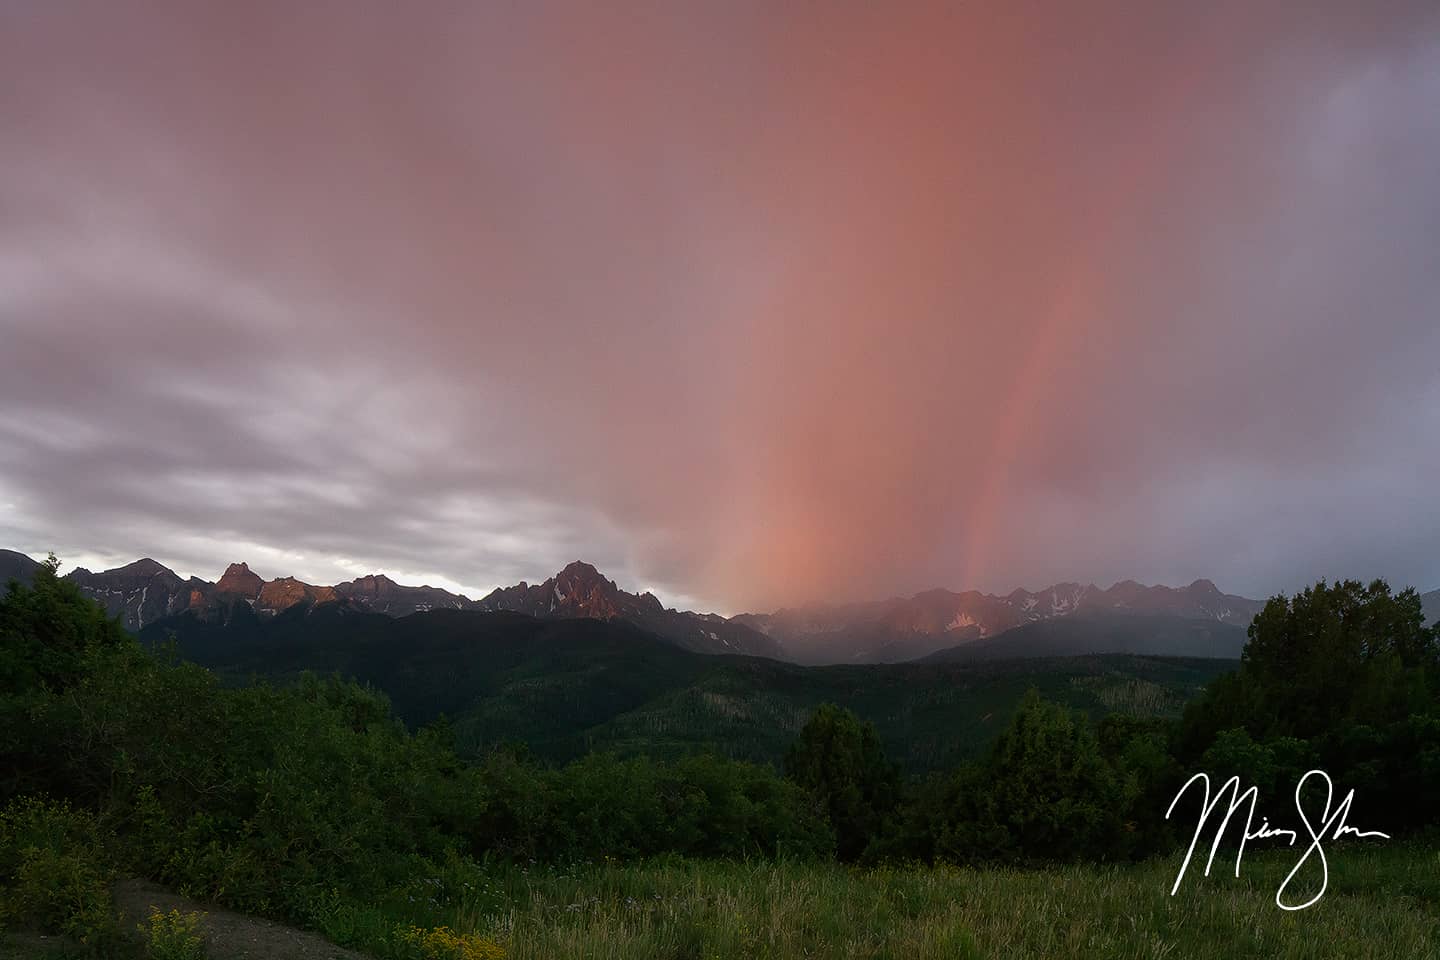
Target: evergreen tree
(839, 761)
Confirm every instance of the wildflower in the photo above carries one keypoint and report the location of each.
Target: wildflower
(442, 943)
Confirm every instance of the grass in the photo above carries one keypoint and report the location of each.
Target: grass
(1381, 903)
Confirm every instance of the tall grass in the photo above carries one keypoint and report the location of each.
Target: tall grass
(1381, 903)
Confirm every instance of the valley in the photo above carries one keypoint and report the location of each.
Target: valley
(566, 687)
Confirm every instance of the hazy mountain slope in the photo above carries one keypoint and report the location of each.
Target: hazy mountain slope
(566, 686)
(902, 629)
(1431, 602)
(1102, 633)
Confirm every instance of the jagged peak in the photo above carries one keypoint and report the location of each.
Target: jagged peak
(239, 578)
(585, 576)
(579, 569)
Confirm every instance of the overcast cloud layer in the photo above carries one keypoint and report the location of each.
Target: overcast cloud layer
(746, 303)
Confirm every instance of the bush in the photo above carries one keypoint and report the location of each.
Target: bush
(55, 872)
(173, 935)
(47, 633)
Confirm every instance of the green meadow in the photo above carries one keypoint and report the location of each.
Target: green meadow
(1381, 902)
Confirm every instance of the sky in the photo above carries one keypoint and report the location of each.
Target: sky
(751, 304)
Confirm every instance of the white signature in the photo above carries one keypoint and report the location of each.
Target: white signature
(1332, 826)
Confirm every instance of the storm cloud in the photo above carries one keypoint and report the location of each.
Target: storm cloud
(745, 303)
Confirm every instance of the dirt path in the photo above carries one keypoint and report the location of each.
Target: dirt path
(230, 936)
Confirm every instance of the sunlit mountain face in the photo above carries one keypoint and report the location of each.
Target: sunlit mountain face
(755, 310)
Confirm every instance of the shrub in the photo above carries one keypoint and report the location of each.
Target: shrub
(173, 935)
(55, 872)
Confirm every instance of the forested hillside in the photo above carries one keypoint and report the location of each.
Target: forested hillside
(566, 687)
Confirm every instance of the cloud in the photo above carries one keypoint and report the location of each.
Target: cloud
(746, 305)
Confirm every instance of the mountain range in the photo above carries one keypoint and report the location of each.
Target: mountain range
(900, 629)
(146, 592)
(1126, 617)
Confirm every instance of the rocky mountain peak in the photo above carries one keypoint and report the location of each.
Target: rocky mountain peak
(239, 580)
(582, 574)
(145, 567)
(580, 590)
(585, 590)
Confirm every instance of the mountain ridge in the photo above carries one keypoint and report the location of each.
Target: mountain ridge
(1089, 632)
(897, 629)
(146, 591)
(901, 628)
